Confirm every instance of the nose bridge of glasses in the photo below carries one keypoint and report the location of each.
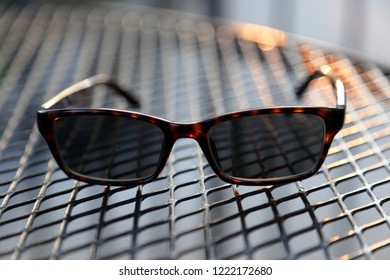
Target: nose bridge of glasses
(187, 130)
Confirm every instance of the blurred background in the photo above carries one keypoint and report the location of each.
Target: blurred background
(184, 68)
(358, 25)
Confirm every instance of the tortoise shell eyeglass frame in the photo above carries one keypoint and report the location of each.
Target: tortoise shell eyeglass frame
(204, 132)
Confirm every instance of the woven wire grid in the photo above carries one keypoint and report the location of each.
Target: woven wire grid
(183, 68)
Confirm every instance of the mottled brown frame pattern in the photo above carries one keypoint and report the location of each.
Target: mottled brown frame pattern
(333, 118)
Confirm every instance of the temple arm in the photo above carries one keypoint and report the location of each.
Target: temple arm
(337, 85)
(100, 79)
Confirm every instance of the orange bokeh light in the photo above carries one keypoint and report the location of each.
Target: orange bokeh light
(267, 38)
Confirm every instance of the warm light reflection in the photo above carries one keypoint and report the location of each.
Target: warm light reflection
(380, 244)
(266, 37)
(326, 69)
(344, 257)
(351, 130)
(334, 238)
(348, 119)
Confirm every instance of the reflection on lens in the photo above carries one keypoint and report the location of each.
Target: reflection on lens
(268, 146)
(109, 147)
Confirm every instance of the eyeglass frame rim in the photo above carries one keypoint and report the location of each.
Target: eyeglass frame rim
(333, 118)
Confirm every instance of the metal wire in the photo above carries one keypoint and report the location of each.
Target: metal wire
(182, 68)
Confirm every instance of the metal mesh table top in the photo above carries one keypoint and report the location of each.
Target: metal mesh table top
(183, 68)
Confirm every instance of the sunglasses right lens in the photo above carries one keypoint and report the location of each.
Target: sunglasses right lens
(109, 147)
(269, 146)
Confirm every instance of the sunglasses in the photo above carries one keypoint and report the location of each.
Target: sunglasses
(264, 146)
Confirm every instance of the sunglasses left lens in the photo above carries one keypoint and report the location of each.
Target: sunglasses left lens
(108, 147)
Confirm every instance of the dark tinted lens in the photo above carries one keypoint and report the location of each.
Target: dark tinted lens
(109, 147)
(268, 146)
